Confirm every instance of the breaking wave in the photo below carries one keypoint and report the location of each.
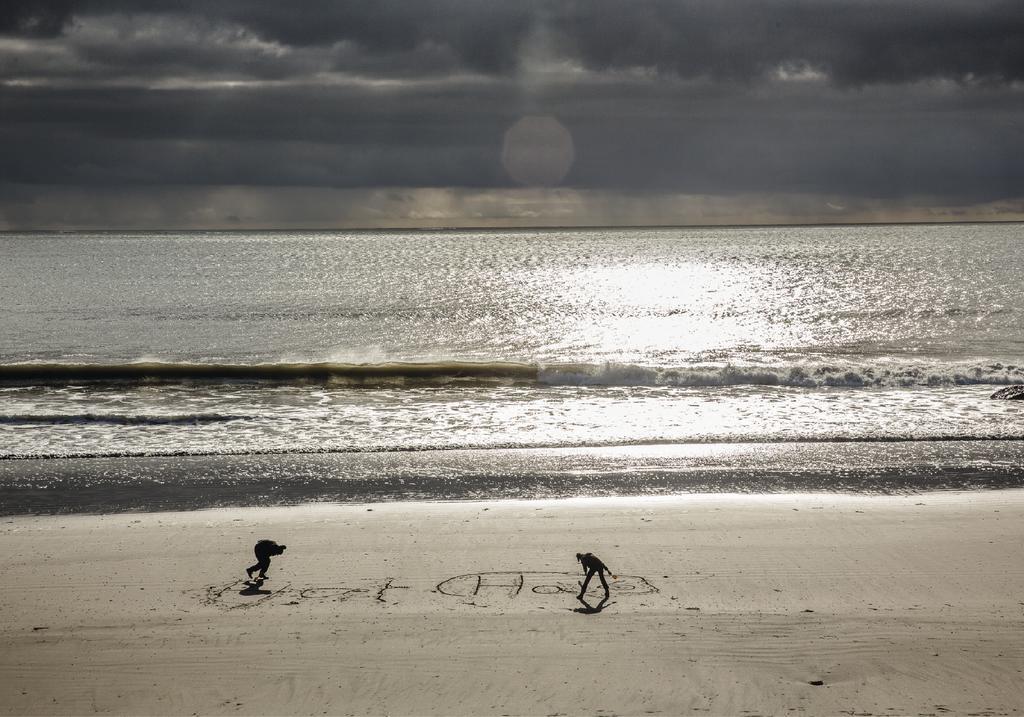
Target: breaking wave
(803, 375)
(798, 374)
(327, 372)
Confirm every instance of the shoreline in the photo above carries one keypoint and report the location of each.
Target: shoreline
(166, 484)
(725, 603)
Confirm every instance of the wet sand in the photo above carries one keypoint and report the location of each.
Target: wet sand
(784, 604)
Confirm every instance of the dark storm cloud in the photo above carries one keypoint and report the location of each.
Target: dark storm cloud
(853, 41)
(483, 35)
(349, 137)
(276, 136)
(855, 98)
(33, 18)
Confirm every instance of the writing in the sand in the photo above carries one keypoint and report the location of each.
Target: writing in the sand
(512, 584)
(469, 587)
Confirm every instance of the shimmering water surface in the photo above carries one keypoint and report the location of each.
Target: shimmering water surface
(242, 344)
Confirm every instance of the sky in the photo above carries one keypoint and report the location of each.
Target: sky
(435, 113)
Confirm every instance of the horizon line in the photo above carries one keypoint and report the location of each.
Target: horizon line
(524, 227)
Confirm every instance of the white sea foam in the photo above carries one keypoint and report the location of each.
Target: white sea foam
(802, 375)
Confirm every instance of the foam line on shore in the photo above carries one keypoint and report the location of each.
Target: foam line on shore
(507, 446)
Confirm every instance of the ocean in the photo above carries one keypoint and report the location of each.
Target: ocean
(174, 370)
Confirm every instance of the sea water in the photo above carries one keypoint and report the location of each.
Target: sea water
(182, 369)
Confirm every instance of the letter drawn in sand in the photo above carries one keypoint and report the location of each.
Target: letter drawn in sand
(338, 594)
(254, 594)
(229, 597)
(552, 589)
(389, 585)
(474, 584)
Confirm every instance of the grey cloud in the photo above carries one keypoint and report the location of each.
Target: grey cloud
(35, 18)
(128, 53)
(855, 42)
(877, 101)
(890, 144)
(285, 136)
(483, 35)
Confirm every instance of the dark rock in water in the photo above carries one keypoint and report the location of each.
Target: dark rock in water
(1010, 393)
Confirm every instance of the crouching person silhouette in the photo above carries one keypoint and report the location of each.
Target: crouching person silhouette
(592, 564)
(264, 549)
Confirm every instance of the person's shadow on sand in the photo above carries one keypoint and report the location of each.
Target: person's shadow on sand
(589, 609)
(252, 587)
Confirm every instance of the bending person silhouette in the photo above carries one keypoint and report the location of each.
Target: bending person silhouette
(264, 549)
(592, 564)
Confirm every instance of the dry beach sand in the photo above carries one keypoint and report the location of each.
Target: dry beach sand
(724, 605)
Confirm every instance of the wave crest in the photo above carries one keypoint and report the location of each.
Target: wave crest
(324, 372)
(805, 374)
(120, 419)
